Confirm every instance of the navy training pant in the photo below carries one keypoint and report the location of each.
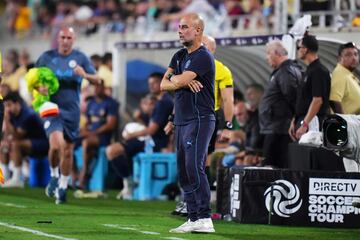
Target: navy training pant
(192, 141)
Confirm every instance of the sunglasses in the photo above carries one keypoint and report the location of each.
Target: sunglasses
(298, 47)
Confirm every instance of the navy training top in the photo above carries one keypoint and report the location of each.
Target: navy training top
(191, 106)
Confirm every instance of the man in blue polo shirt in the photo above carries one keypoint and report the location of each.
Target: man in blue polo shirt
(120, 154)
(70, 67)
(191, 75)
(101, 122)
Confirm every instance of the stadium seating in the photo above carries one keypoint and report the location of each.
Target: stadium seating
(152, 173)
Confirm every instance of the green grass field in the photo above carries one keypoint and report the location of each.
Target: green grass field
(22, 209)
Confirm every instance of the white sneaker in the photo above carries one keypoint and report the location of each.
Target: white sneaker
(13, 183)
(204, 225)
(124, 194)
(186, 227)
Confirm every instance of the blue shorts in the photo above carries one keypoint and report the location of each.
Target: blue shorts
(39, 147)
(52, 124)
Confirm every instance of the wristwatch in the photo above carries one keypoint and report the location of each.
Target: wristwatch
(228, 125)
(304, 124)
(170, 75)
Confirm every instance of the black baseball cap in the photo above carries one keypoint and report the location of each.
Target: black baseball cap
(346, 45)
(311, 43)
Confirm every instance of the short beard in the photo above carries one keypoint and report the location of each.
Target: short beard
(187, 44)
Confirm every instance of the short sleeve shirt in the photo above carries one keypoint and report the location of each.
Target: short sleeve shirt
(223, 79)
(316, 83)
(97, 113)
(30, 122)
(191, 106)
(345, 88)
(68, 95)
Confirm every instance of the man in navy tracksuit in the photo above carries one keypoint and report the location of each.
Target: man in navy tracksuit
(191, 75)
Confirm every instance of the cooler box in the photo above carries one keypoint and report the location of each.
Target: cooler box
(152, 173)
(39, 172)
(99, 167)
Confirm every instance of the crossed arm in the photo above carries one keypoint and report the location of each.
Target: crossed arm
(184, 80)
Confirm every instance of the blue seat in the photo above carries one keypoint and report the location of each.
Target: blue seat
(39, 172)
(152, 173)
(99, 166)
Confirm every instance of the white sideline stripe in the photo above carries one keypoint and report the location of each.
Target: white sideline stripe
(124, 227)
(120, 227)
(150, 233)
(173, 238)
(36, 232)
(12, 205)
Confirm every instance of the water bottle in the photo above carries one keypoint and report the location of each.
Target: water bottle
(149, 145)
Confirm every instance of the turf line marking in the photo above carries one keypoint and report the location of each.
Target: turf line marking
(150, 233)
(12, 205)
(173, 238)
(124, 227)
(120, 227)
(36, 232)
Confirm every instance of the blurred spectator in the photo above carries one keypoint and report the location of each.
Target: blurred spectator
(43, 20)
(235, 144)
(234, 10)
(345, 86)
(4, 89)
(120, 154)
(10, 13)
(253, 95)
(201, 7)
(25, 65)
(105, 72)
(102, 120)
(96, 61)
(22, 22)
(268, 13)
(256, 11)
(12, 72)
(143, 113)
(23, 135)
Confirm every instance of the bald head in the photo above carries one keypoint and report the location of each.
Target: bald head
(191, 28)
(196, 20)
(66, 39)
(209, 43)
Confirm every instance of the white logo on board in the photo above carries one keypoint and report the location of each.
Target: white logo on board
(286, 198)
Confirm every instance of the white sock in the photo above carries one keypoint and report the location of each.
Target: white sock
(63, 181)
(17, 173)
(127, 183)
(5, 169)
(54, 172)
